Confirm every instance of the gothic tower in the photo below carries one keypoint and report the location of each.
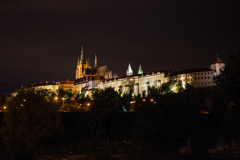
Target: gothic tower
(81, 64)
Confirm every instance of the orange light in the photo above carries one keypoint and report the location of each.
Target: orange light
(88, 104)
(56, 98)
(144, 100)
(151, 100)
(5, 107)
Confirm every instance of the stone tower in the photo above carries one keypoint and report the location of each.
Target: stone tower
(217, 65)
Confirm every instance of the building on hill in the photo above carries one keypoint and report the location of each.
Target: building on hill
(88, 78)
(51, 86)
(68, 85)
(139, 83)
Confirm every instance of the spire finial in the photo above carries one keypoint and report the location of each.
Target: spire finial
(82, 53)
(95, 64)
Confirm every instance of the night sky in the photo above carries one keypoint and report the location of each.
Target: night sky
(41, 40)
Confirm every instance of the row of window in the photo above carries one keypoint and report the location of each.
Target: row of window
(204, 83)
(67, 87)
(202, 78)
(203, 73)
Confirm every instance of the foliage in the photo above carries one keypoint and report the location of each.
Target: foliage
(30, 120)
(107, 100)
(229, 79)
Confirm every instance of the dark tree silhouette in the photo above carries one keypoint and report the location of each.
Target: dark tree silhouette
(30, 119)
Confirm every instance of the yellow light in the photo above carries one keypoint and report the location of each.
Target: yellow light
(131, 79)
(5, 107)
(88, 104)
(151, 100)
(173, 89)
(24, 100)
(63, 99)
(144, 100)
(56, 98)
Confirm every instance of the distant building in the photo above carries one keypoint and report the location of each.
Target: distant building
(88, 78)
(68, 85)
(51, 86)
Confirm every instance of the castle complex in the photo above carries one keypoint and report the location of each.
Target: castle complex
(88, 78)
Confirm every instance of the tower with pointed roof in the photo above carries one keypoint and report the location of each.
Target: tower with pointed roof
(82, 64)
(129, 70)
(217, 65)
(140, 71)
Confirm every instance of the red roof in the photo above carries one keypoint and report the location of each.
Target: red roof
(67, 82)
(218, 60)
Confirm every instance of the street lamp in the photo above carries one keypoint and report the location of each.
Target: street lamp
(63, 100)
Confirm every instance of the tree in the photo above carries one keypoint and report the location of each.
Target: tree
(229, 79)
(107, 100)
(30, 120)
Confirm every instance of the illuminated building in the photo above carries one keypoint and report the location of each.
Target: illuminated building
(68, 85)
(51, 86)
(198, 78)
(138, 83)
(88, 78)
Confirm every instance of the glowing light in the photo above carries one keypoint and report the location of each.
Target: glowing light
(124, 110)
(144, 100)
(131, 79)
(88, 104)
(56, 98)
(24, 100)
(173, 89)
(5, 107)
(151, 100)
(63, 99)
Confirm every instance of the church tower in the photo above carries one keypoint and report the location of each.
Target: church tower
(217, 65)
(80, 66)
(129, 70)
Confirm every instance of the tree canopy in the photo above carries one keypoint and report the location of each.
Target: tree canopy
(30, 119)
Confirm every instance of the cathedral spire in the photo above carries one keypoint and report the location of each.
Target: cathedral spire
(129, 70)
(140, 71)
(82, 53)
(95, 64)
